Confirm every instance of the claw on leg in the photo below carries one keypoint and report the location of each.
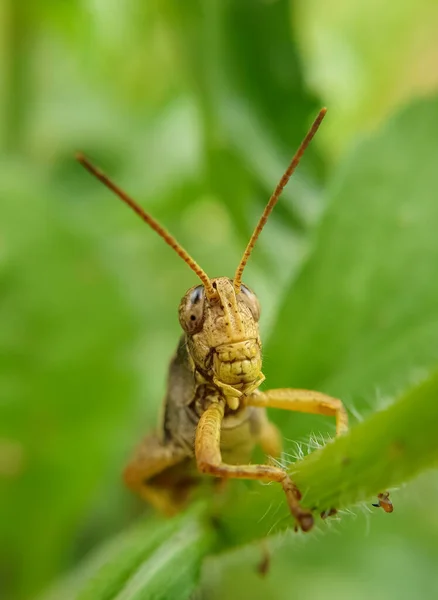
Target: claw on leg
(303, 516)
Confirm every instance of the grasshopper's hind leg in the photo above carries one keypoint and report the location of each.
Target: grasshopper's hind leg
(209, 461)
(146, 474)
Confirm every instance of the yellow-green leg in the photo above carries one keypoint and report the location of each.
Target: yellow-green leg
(302, 401)
(209, 461)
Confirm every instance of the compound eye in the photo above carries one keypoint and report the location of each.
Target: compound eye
(251, 300)
(191, 310)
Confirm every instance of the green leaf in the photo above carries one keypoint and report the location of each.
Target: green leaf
(155, 559)
(388, 449)
(65, 329)
(361, 317)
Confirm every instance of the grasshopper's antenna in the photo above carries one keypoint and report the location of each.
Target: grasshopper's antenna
(275, 196)
(169, 239)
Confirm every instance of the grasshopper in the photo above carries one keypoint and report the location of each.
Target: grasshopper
(214, 413)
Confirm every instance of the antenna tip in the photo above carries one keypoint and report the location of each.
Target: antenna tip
(80, 157)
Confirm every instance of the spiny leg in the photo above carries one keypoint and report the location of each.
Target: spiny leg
(209, 461)
(303, 401)
(151, 459)
(315, 403)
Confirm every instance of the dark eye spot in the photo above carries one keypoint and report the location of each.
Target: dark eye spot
(191, 310)
(214, 285)
(196, 294)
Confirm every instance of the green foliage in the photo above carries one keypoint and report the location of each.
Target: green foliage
(386, 450)
(361, 317)
(395, 444)
(364, 79)
(153, 560)
(196, 112)
(252, 104)
(62, 372)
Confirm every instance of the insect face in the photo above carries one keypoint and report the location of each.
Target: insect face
(221, 316)
(223, 337)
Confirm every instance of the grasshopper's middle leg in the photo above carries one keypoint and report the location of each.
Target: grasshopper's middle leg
(209, 460)
(151, 459)
(303, 401)
(270, 439)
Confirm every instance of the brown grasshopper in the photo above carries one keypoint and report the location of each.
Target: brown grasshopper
(214, 413)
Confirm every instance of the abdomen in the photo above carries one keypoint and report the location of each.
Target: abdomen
(239, 435)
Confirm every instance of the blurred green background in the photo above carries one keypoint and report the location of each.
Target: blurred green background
(195, 108)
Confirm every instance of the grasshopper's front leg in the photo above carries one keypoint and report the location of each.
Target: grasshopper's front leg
(145, 474)
(209, 461)
(306, 401)
(302, 401)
